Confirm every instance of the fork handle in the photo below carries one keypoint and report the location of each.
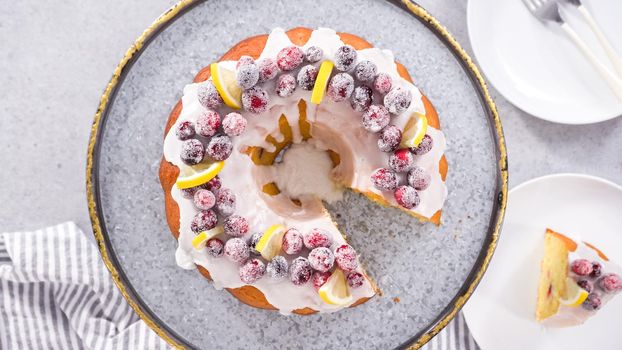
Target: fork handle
(611, 53)
(614, 82)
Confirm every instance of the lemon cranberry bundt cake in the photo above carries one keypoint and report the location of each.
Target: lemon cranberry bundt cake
(281, 123)
(576, 279)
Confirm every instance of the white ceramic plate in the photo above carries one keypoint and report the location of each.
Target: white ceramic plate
(501, 312)
(537, 68)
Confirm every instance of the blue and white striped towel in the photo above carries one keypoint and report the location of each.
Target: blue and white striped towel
(57, 294)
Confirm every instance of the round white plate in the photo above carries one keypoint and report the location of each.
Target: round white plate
(537, 68)
(501, 311)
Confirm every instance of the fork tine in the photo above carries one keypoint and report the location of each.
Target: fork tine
(529, 4)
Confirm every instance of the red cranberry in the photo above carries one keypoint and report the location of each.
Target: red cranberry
(424, 146)
(285, 85)
(225, 202)
(215, 247)
(389, 138)
(219, 147)
(319, 278)
(247, 75)
(581, 267)
(204, 199)
(255, 100)
(340, 87)
(252, 242)
(306, 77)
(384, 179)
(397, 100)
(189, 192)
(277, 268)
(355, 279)
(236, 250)
(292, 242)
(192, 152)
(592, 302)
(317, 237)
(213, 184)
(596, 269)
(234, 124)
(345, 257)
(401, 160)
(252, 270)
(419, 178)
(345, 57)
(365, 71)
(236, 226)
(203, 221)
(407, 197)
(268, 69)
(610, 283)
(362, 98)
(244, 60)
(586, 284)
(208, 95)
(289, 58)
(375, 118)
(300, 271)
(321, 259)
(184, 130)
(383, 83)
(207, 123)
(314, 54)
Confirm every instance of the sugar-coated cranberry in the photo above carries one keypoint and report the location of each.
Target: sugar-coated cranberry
(365, 71)
(277, 268)
(236, 226)
(208, 95)
(581, 267)
(321, 259)
(285, 85)
(208, 123)
(185, 130)
(306, 77)
(189, 192)
(252, 270)
(610, 283)
(375, 118)
(345, 257)
(401, 160)
(236, 250)
(314, 54)
(252, 242)
(203, 220)
(424, 146)
(215, 247)
(340, 87)
(255, 100)
(383, 83)
(592, 302)
(204, 199)
(289, 58)
(397, 100)
(319, 278)
(247, 75)
(292, 241)
(244, 60)
(355, 279)
(192, 152)
(234, 124)
(384, 179)
(419, 178)
(596, 269)
(586, 284)
(407, 197)
(345, 58)
(225, 202)
(268, 69)
(317, 237)
(219, 147)
(362, 98)
(300, 271)
(389, 138)
(213, 184)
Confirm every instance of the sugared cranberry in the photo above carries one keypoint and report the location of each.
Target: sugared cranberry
(306, 77)
(424, 146)
(361, 99)
(398, 100)
(192, 152)
(289, 58)
(285, 85)
(189, 192)
(203, 221)
(300, 271)
(207, 123)
(184, 130)
(401, 160)
(277, 268)
(355, 279)
(596, 269)
(384, 179)
(419, 178)
(317, 237)
(236, 250)
(225, 202)
(244, 60)
(252, 270)
(375, 118)
(247, 75)
(592, 302)
(252, 242)
(319, 278)
(383, 83)
(321, 259)
(610, 283)
(236, 226)
(407, 197)
(255, 100)
(213, 184)
(267, 69)
(292, 241)
(314, 54)
(215, 247)
(345, 257)
(586, 284)
(204, 199)
(234, 124)
(219, 147)
(208, 95)
(389, 138)
(365, 71)
(345, 58)
(340, 87)
(581, 267)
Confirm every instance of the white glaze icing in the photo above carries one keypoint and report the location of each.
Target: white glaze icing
(335, 126)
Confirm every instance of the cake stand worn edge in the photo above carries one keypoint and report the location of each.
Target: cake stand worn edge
(94, 199)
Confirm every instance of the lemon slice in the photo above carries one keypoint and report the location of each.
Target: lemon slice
(199, 241)
(575, 295)
(415, 130)
(335, 291)
(321, 81)
(192, 176)
(227, 86)
(271, 241)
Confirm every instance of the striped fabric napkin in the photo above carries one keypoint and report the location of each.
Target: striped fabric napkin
(56, 293)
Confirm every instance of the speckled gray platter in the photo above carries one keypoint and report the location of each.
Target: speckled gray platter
(424, 266)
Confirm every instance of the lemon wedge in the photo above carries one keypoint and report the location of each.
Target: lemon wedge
(271, 241)
(335, 291)
(321, 82)
(226, 85)
(199, 241)
(575, 295)
(192, 176)
(415, 130)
